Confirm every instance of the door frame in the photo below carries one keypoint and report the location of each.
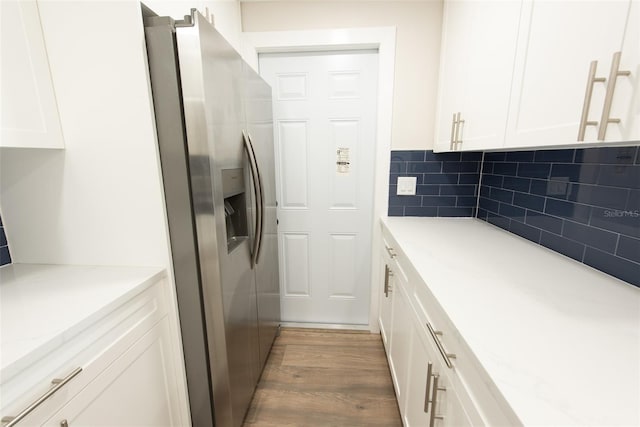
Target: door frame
(384, 40)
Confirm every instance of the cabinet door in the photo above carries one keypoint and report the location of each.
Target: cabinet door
(556, 44)
(400, 341)
(29, 115)
(386, 295)
(476, 69)
(137, 389)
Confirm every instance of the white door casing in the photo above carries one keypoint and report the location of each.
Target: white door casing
(324, 120)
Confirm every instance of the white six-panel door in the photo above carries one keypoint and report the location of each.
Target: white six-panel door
(324, 126)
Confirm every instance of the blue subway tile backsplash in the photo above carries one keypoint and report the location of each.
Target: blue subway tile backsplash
(583, 203)
(447, 183)
(5, 256)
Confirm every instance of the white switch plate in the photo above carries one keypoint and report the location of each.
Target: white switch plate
(406, 186)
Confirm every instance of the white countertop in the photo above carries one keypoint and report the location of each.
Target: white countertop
(40, 305)
(560, 340)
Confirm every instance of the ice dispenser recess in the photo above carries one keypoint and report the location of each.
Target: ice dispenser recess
(235, 207)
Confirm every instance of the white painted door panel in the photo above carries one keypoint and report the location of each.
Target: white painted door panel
(324, 115)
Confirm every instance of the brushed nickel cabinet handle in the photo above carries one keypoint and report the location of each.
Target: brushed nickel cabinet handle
(434, 400)
(387, 272)
(427, 390)
(453, 132)
(390, 251)
(459, 128)
(58, 384)
(446, 356)
(608, 98)
(584, 118)
(64, 423)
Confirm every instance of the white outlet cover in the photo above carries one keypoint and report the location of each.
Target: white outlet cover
(406, 186)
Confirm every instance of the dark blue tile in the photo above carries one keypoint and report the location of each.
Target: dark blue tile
(5, 256)
(489, 205)
(523, 230)
(512, 212)
(627, 176)
(520, 156)
(534, 170)
(441, 157)
(545, 222)
(407, 156)
(618, 267)
(395, 200)
(629, 248)
(554, 156)
(529, 201)
(428, 190)
(3, 237)
(607, 155)
(393, 178)
(616, 220)
(604, 197)
(517, 184)
(638, 157)
(505, 169)
(420, 211)
(466, 201)
(423, 167)
(438, 201)
(590, 236)
(498, 220)
(487, 167)
(469, 178)
(556, 189)
(398, 167)
(440, 178)
(568, 210)
(562, 245)
(485, 191)
(460, 167)
(457, 190)
(455, 212)
(468, 156)
(585, 174)
(396, 211)
(505, 196)
(633, 204)
(482, 214)
(498, 156)
(492, 180)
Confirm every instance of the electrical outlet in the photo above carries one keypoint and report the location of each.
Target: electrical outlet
(406, 186)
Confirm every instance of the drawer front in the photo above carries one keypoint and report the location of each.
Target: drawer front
(91, 349)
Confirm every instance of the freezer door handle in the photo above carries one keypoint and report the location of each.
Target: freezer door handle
(257, 188)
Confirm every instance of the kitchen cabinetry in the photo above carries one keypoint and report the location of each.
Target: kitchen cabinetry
(398, 356)
(557, 43)
(115, 356)
(476, 67)
(29, 115)
(534, 73)
(386, 295)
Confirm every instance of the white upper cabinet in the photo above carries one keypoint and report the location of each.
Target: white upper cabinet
(29, 115)
(557, 43)
(476, 68)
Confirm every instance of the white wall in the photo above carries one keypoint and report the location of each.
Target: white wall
(419, 25)
(99, 201)
(226, 15)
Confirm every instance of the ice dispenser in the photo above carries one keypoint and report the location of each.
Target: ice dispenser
(235, 207)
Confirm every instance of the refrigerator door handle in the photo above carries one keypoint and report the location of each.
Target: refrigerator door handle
(261, 206)
(258, 196)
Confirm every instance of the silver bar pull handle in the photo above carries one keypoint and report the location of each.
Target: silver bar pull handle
(64, 423)
(390, 251)
(427, 390)
(453, 132)
(387, 272)
(608, 98)
(58, 384)
(446, 356)
(434, 400)
(459, 128)
(584, 118)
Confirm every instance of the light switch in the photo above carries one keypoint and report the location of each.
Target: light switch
(406, 186)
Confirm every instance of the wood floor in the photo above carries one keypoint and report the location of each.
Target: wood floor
(319, 377)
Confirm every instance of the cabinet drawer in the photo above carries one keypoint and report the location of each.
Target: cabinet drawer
(91, 348)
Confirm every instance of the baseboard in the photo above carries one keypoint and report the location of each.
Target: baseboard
(325, 326)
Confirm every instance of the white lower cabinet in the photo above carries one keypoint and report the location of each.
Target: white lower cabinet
(386, 296)
(135, 390)
(400, 342)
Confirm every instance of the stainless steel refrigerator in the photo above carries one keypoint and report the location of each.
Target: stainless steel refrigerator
(215, 135)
